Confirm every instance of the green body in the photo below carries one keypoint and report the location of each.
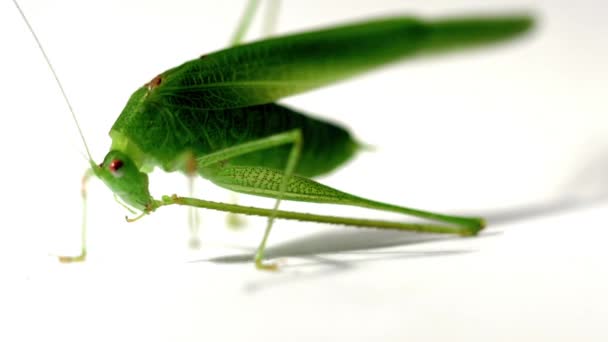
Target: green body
(225, 98)
(216, 115)
(268, 70)
(156, 137)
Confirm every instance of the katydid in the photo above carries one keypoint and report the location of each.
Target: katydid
(216, 117)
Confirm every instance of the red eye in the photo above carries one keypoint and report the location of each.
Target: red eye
(115, 165)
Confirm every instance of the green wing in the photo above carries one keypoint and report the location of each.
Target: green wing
(267, 70)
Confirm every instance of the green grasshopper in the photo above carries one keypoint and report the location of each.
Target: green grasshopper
(216, 117)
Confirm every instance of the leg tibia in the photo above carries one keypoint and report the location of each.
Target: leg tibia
(266, 182)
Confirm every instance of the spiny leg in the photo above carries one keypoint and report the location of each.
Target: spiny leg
(273, 183)
(83, 233)
(307, 217)
(293, 137)
(261, 181)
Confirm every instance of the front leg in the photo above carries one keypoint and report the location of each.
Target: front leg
(83, 233)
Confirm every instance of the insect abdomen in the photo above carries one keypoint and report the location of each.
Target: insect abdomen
(164, 135)
(325, 146)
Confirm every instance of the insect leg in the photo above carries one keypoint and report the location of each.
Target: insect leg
(193, 215)
(269, 24)
(272, 12)
(260, 181)
(83, 233)
(244, 23)
(234, 221)
(307, 217)
(291, 137)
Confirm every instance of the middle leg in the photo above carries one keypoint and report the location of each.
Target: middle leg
(208, 165)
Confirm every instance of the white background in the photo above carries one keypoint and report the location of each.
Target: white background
(515, 133)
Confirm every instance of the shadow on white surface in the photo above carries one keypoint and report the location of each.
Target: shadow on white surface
(588, 187)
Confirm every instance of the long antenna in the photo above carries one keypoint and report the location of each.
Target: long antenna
(48, 62)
